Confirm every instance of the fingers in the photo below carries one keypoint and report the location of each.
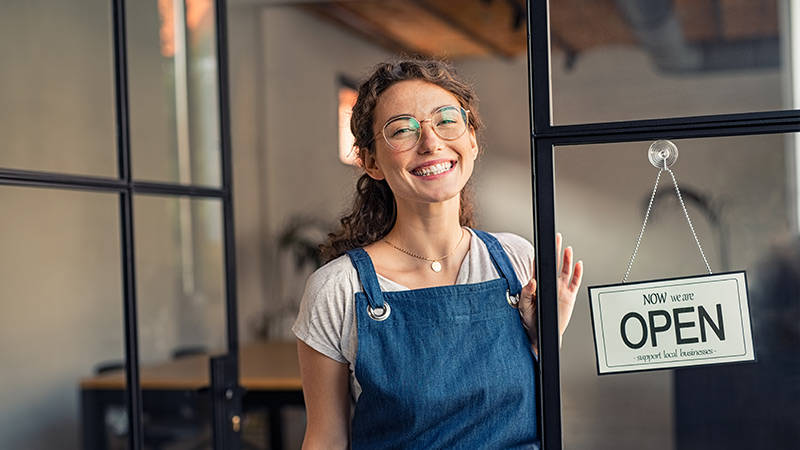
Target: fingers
(570, 273)
(577, 276)
(559, 240)
(566, 264)
(529, 291)
(527, 312)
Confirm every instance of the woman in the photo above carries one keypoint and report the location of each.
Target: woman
(414, 322)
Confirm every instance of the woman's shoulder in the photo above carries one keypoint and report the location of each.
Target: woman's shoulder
(520, 253)
(336, 274)
(325, 316)
(514, 243)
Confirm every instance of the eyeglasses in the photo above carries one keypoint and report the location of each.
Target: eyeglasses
(404, 132)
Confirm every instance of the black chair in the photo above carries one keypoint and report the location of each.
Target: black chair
(167, 417)
(181, 417)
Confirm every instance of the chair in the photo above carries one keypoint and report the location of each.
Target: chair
(180, 417)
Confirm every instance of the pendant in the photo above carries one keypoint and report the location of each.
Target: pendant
(436, 266)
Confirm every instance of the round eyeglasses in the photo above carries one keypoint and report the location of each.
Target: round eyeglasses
(404, 132)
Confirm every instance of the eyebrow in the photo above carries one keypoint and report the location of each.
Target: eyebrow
(435, 108)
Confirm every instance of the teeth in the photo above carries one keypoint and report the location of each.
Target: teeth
(435, 169)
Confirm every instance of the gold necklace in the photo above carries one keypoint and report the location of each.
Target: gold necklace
(436, 266)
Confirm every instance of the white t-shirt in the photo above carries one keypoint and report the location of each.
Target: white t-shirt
(327, 317)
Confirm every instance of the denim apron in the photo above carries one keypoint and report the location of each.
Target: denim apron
(445, 367)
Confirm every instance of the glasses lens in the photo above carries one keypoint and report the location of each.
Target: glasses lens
(450, 122)
(402, 133)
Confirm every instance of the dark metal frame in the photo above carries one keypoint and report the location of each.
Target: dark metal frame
(125, 186)
(544, 140)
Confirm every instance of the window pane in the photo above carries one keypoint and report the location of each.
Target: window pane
(173, 91)
(181, 312)
(180, 275)
(632, 59)
(738, 194)
(61, 315)
(56, 87)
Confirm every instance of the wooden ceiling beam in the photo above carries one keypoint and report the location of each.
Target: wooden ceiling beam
(467, 22)
(357, 23)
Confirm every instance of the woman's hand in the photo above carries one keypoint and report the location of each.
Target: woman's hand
(569, 281)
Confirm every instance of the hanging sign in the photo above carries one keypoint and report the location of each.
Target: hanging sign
(672, 323)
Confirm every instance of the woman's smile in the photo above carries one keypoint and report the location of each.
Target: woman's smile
(433, 170)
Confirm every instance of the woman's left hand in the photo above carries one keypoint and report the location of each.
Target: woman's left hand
(569, 281)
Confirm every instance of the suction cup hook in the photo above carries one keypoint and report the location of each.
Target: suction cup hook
(662, 154)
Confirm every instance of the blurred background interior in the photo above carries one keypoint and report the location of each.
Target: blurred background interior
(292, 68)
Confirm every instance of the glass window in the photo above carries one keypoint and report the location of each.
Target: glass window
(738, 195)
(57, 89)
(61, 315)
(181, 311)
(172, 76)
(180, 275)
(633, 59)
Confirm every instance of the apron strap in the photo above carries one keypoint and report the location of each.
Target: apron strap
(501, 261)
(367, 276)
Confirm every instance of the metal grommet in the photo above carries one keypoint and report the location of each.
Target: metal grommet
(379, 314)
(513, 300)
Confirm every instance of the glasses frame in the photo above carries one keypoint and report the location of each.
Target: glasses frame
(465, 114)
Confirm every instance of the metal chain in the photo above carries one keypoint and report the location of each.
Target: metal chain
(689, 221)
(644, 223)
(647, 216)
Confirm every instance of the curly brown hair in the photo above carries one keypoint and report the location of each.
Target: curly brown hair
(373, 212)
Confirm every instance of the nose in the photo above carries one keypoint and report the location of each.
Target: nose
(429, 141)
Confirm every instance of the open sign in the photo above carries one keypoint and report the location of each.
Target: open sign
(672, 323)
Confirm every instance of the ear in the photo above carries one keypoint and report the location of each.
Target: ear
(473, 141)
(371, 166)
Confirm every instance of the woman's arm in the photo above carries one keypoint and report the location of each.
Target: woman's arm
(326, 389)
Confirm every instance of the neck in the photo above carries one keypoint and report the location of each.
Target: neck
(430, 230)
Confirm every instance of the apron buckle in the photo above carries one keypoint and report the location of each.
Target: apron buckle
(513, 300)
(379, 314)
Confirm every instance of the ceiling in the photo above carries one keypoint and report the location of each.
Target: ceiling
(477, 28)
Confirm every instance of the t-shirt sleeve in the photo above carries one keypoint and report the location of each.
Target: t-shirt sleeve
(325, 314)
(520, 252)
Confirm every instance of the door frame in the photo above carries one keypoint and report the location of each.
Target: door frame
(545, 137)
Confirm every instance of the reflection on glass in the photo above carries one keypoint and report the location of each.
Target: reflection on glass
(738, 193)
(173, 92)
(57, 87)
(634, 59)
(61, 316)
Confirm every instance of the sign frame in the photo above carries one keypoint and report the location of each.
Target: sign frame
(602, 328)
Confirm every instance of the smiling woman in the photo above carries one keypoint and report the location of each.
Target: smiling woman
(383, 325)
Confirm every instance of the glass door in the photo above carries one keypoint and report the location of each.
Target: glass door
(718, 79)
(118, 296)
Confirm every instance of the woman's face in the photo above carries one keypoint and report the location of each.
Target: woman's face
(432, 171)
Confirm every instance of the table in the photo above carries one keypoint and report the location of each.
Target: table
(269, 372)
